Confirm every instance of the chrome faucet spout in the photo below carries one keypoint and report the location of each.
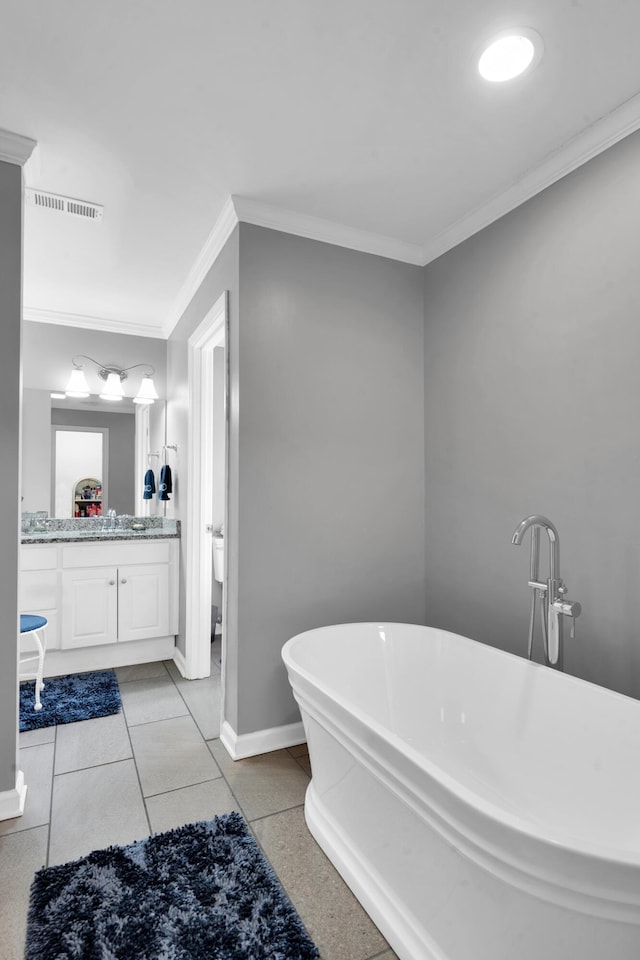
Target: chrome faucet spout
(554, 541)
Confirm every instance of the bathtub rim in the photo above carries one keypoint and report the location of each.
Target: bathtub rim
(585, 876)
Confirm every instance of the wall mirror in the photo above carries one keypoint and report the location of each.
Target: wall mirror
(69, 447)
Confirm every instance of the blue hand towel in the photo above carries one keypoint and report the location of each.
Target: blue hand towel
(165, 487)
(149, 485)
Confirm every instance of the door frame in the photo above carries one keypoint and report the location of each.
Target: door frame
(212, 332)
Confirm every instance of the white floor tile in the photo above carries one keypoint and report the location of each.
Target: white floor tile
(90, 743)
(171, 754)
(95, 808)
(190, 805)
(20, 856)
(144, 701)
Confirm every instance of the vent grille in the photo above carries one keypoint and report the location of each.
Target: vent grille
(76, 208)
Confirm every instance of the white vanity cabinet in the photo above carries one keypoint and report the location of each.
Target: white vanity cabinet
(115, 602)
(39, 589)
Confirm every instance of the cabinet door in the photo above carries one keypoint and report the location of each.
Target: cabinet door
(143, 601)
(89, 607)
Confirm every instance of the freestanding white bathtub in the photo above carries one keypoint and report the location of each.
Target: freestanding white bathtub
(481, 807)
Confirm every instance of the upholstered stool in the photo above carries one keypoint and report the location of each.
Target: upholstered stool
(32, 625)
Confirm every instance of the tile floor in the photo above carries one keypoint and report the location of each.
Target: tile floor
(155, 766)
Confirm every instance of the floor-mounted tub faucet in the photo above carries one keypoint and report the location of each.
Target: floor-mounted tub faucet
(551, 594)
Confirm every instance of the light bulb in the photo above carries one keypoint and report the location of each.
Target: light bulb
(113, 388)
(147, 392)
(510, 54)
(77, 386)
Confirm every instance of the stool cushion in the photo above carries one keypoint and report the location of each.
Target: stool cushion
(29, 621)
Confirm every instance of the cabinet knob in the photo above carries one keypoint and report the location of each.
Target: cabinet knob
(124, 580)
(112, 583)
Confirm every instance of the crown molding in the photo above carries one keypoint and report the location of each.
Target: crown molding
(597, 138)
(220, 233)
(131, 328)
(315, 228)
(15, 148)
(586, 145)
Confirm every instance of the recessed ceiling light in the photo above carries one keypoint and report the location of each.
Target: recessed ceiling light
(510, 54)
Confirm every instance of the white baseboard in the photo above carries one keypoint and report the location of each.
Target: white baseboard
(12, 801)
(107, 656)
(241, 745)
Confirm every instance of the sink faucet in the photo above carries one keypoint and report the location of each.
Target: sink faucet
(109, 522)
(551, 594)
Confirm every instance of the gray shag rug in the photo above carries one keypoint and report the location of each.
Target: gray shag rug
(78, 696)
(201, 892)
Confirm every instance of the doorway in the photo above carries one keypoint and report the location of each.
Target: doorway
(207, 484)
(79, 456)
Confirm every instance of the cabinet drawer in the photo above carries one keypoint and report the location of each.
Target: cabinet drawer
(38, 590)
(38, 558)
(114, 553)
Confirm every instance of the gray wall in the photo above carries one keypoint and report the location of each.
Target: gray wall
(122, 439)
(532, 392)
(331, 452)
(10, 373)
(326, 450)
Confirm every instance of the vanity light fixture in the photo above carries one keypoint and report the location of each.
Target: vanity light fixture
(510, 54)
(114, 377)
(147, 392)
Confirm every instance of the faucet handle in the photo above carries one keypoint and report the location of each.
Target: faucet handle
(569, 608)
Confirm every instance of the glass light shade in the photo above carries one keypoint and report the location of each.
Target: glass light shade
(77, 386)
(113, 388)
(509, 55)
(147, 392)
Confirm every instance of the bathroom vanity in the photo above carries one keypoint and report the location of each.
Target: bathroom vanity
(110, 596)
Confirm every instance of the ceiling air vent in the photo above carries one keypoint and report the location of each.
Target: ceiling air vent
(76, 208)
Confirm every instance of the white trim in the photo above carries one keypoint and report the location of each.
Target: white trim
(326, 231)
(12, 801)
(180, 662)
(220, 233)
(15, 148)
(241, 745)
(37, 315)
(142, 460)
(108, 656)
(199, 547)
(597, 138)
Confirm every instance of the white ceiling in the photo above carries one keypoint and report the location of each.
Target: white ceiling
(368, 114)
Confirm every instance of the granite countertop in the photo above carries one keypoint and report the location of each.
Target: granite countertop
(69, 531)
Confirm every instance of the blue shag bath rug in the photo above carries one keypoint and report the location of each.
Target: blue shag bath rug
(201, 892)
(79, 696)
